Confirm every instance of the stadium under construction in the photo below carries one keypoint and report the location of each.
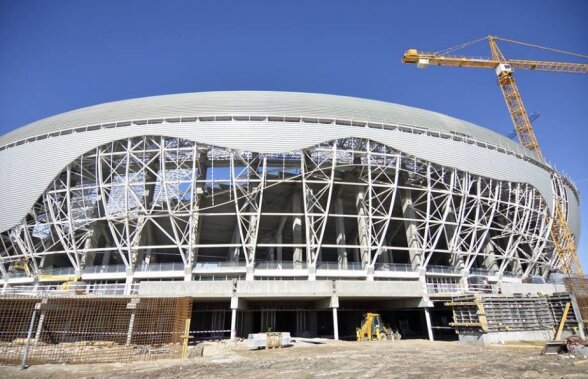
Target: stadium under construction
(293, 212)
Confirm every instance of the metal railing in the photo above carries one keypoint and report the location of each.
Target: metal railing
(402, 267)
(267, 265)
(104, 269)
(482, 271)
(339, 266)
(219, 264)
(483, 288)
(441, 269)
(442, 288)
(110, 289)
(17, 274)
(169, 266)
(58, 271)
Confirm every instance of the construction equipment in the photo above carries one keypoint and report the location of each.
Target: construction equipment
(22, 265)
(563, 240)
(557, 345)
(372, 328)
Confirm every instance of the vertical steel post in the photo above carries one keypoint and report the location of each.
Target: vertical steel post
(29, 334)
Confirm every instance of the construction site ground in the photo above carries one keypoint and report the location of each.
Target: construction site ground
(346, 359)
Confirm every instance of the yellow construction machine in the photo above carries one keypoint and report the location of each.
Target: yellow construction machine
(22, 265)
(373, 329)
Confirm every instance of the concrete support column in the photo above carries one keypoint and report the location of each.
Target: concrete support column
(233, 324)
(411, 229)
(106, 258)
(5, 286)
(363, 230)
(429, 326)
(335, 324)
(47, 261)
(187, 273)
(490, 258)
(234, 306)
(278, 239)
(297, 229)
(87, 258)
(334, 304)
(233, 252)
(341, 240)
(516, 266)
(194, 237)
(250, 273)
(129, 281)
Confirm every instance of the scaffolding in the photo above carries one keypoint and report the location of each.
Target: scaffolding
(479, 313)
(39, 330)
(578, 286)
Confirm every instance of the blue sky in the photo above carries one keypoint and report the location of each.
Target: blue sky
(59, 55)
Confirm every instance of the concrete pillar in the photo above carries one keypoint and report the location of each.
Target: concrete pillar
(363, 229)
(335, 324)
(106, 258)
(490, 258)
(278, 238)
(341, 240)
(187, 273)
(409, 215)
(234, 306)
(250, 273)
(233, 324)
(233, 252)
(200, 190)
(297, 229)
(129, 281)
(193, 250)
(428, 322)
(47, 261)
(146, 256)
(516, 266)
(88, 256)
(334, 305)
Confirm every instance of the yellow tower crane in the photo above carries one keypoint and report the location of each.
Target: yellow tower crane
(561, 236)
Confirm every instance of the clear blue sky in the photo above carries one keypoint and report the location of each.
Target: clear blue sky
(59, 55)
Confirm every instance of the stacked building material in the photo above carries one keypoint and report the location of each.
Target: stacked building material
(474, 314)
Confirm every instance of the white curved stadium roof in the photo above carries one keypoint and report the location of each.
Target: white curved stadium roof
(260, 103)
(31, 156)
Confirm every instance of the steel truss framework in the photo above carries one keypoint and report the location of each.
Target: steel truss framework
(351, 201)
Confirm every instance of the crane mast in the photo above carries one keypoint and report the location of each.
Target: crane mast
(562, 237)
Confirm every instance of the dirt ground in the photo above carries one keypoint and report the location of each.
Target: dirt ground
(397, 359)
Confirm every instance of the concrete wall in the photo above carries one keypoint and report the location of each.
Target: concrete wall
(219, 289)
(285, 289)
(365, 289)
(501, 337)
(524, 288)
